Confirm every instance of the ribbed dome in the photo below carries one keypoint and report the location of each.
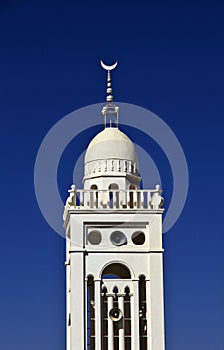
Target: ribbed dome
(111, 143)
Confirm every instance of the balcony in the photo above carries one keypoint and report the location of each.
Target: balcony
(82, 199)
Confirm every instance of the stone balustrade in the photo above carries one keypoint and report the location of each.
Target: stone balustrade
(81, 199)
(111, 166)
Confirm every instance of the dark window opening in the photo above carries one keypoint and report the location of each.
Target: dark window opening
(138, 238)
(90, 314)
(142, 313)
(116, 269)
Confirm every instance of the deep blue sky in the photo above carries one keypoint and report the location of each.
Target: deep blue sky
(171, 56)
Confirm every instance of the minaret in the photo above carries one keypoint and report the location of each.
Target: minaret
(114, 265)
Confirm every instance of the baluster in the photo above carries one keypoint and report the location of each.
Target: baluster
(104, 196)
(94, 199)
(114, 198)
(100, 199)
(91, 199)
(125, 198)
(75, 199)
(120, 198)
(81, 199)
(86, 198)
(125, 166)
(149, 201)
(134, 198)
(142, 199)
(119, 165)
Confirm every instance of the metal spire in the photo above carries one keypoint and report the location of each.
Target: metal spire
(110, 110)
(110, 97)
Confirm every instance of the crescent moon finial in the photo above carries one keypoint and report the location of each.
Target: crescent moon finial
(110, 110)
(108, 68)
(110, 97)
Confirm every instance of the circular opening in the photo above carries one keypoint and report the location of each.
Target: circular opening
(118, 238)
(94, 237)
(138, 238)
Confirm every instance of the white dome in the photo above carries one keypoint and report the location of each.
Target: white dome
(111, 143)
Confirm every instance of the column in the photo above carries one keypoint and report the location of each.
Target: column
(86, 306)
(157, 313)
(97, 285)
(110, 302)
(135, 317)
(121, 329)
(77, 302)
(68, 306)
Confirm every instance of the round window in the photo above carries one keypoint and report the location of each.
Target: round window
(138, 238)
(94, 237)
(118, 238)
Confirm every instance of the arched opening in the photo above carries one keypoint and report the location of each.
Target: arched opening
(93, 196)
(116, 307)
(115, 289)
(127, 319)
(114, 195)
(90, 313)
(142, 313)
(116, 270)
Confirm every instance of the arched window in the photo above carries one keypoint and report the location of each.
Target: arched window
(114, 195)
(90, 314)
(93, 196)
(127, 319)
(142, 313)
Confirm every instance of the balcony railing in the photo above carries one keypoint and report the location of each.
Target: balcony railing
(114, 199)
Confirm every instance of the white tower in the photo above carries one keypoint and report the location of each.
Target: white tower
(114, 248)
